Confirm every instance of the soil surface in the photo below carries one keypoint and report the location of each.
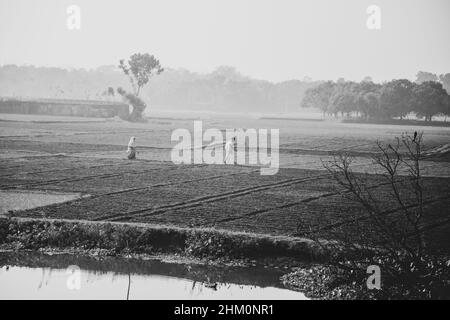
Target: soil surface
(65, 160)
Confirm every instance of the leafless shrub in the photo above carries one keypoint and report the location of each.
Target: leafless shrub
(389, 232)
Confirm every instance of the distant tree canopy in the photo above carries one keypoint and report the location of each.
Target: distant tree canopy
(222, 90)
(423, 76)
(429, 99)
(393, 99)
(445, 80)
(139, 69)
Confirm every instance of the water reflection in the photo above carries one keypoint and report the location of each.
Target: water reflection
(40, 276)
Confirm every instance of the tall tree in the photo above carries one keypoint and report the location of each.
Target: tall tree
(319, 96)
(429, 99)
(139, 69)
(447, 107)
(368, 99)
(370, 105)
(395, 98)
(344, 98)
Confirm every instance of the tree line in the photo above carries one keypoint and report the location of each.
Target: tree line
(226, 90)
(223, 89)
(372, 101)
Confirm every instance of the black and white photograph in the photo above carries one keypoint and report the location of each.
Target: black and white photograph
(225, 155)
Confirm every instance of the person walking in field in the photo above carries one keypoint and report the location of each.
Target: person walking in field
(230, 148)
(131, 151)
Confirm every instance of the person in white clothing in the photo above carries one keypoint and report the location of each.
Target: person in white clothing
(230, 148)
(131, 151)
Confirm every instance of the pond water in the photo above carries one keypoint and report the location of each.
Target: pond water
(23, 200)
(64, 276)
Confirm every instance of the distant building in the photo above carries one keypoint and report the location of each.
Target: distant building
(65, 107)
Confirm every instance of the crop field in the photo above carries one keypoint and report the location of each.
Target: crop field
(88, 159)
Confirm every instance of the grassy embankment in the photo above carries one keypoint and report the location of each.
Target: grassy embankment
(128, 238)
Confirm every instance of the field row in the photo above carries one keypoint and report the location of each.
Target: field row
(220, 196)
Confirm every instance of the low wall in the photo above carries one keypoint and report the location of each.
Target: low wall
(77, 108)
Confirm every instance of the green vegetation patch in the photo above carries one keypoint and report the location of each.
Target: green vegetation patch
(122, 238)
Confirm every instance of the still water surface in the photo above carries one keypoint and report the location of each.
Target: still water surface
(39, 276)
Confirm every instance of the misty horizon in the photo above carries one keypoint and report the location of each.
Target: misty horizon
(268, 40)
(115, 68)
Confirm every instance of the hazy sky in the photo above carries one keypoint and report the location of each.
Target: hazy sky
(266, 39)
